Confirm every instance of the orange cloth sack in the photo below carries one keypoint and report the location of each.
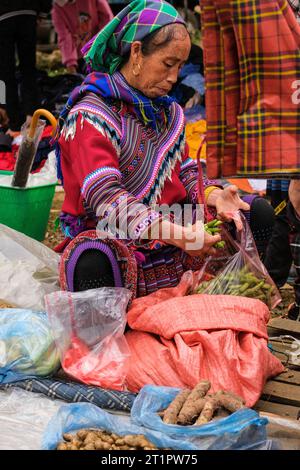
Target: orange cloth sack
(177, 340)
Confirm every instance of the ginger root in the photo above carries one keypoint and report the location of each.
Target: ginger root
(193, 404)
(199, 407)
(98, 439)
(211, 405)
(229, 401)
(173, 410)
(190, 411)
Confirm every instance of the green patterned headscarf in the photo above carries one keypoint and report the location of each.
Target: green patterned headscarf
(106, 51)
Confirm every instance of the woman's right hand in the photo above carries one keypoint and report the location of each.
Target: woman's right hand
(194, 240)
(197, 242)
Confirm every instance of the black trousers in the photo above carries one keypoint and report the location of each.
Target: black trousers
(278, 259)
(18, 34)
(294, 222)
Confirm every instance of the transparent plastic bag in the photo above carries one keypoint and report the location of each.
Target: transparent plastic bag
(27, 348)
(88, 328)
(28, 270)
(26, 154)
(23, 418)
(285, 432)
(242, 430)
(76, 416)
(243, 274)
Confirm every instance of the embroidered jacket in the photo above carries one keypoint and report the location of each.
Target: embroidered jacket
(116, 169)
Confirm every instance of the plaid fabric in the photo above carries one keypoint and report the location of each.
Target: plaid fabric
(72, 392)
(252, 61)
(105, 52)
(275, 185)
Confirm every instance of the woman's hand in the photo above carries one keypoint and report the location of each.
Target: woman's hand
(193, 239)
(228, 203)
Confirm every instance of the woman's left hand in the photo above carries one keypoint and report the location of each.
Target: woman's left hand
(228, 203)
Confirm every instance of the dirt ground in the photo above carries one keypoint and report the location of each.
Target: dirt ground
(53, 238)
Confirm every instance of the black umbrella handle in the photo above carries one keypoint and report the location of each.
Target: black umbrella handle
(24, 163)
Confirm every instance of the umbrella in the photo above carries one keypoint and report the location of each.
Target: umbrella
(28, 147)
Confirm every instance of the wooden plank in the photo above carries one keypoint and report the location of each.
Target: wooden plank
(290, 327)
(281, 351)
(285, 431)
(286, 411)
(279, 392)
(289, 377)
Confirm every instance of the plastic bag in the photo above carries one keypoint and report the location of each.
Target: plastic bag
(27, 348)
(285, 432)
(23, 418)
(26, 153)
(242, 430)
(89, 329)
(28, 270)
(71, 418)
(243, 273)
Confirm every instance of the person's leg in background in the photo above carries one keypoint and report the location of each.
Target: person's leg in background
(261, 219)
(278, 259)
(8, 29)
(294, 220)
(26, 48)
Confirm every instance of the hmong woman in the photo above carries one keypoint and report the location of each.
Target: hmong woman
(122, 152)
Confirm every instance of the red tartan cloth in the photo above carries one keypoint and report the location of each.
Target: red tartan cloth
(252, 62)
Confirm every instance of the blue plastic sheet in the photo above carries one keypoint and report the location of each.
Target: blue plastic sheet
(27, 348)
(71, 418)
(244, 429)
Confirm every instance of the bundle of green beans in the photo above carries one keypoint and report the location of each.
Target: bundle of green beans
(213, 228)
(241, 283)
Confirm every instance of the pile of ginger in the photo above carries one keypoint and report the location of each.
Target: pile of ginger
(98, 439)
(198, 407)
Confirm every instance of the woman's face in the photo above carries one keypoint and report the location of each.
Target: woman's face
(158, 71)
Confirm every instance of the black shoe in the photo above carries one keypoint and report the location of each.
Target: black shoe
(294, 312)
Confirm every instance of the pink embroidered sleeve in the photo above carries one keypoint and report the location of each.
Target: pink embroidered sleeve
(95, 163)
